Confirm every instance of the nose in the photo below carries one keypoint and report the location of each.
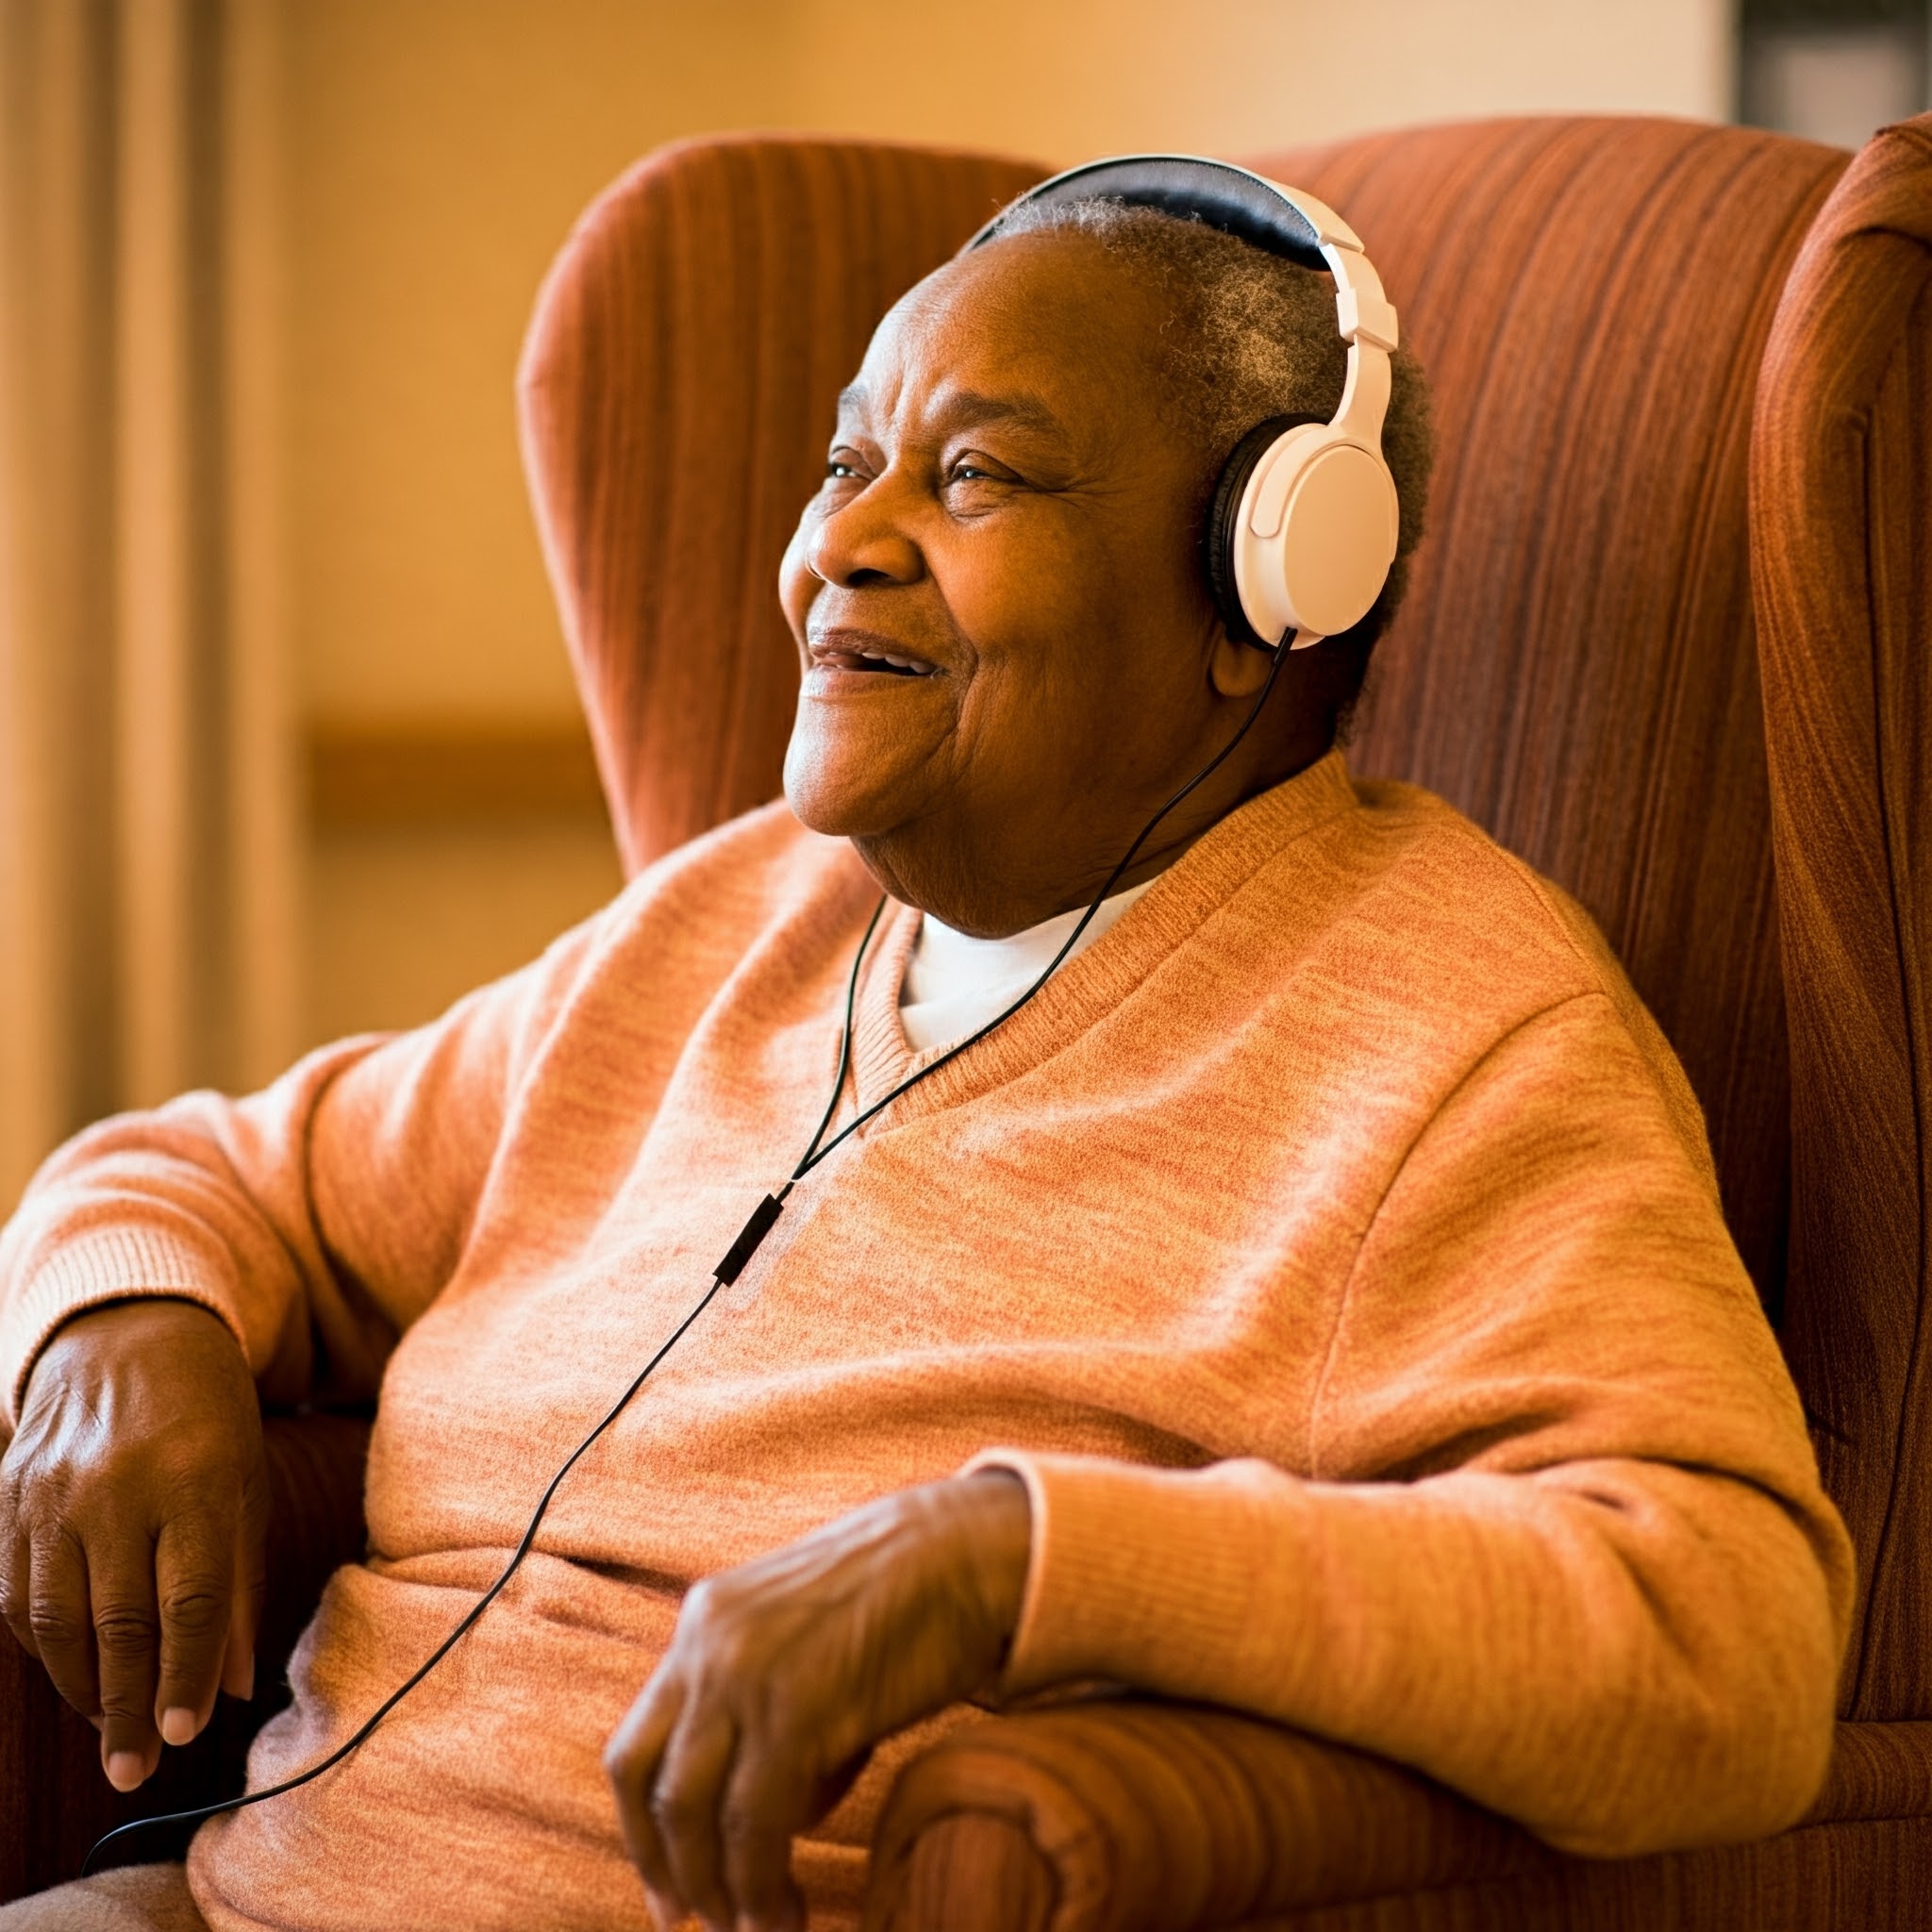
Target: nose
(862, 542)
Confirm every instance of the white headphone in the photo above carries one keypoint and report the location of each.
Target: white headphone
(1303, 528)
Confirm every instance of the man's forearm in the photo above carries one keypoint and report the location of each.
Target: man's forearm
(1623, 1657)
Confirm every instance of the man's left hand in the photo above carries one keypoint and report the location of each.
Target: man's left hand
(784, 1673)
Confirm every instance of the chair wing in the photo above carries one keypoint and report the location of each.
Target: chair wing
(1842, 543)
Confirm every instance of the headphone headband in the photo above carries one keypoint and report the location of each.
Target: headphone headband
(1282, 505)
(1269, 215)
(1237, 201)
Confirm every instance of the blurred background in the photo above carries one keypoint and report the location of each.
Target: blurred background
(288, 741)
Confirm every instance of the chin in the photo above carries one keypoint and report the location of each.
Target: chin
(880, 809)
(851, 779)
(834, 789)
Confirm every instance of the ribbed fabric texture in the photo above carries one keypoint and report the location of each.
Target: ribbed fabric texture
(1333, 1247)
(1840, 508)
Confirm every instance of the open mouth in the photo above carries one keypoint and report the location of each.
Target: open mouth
(854, 658)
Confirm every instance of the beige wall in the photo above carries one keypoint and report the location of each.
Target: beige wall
(437, 151)
(1067, 78)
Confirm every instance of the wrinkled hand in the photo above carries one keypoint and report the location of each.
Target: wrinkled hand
(132, 1510)
(784, 1673)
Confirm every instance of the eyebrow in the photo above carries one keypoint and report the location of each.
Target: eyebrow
(968, 408)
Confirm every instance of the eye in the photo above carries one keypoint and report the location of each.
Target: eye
(976, 469)
(845, 465)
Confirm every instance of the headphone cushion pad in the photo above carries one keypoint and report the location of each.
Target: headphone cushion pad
(1224, 521)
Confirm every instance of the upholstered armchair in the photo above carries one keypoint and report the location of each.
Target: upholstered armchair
(1670, 638)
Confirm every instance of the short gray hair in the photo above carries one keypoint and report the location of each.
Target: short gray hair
(1253, 336)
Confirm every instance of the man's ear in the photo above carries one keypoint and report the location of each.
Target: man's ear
(1237, 670)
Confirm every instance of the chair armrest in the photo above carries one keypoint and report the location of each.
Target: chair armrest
(53, 1802)
(1137, 1816)
(1145, 1817)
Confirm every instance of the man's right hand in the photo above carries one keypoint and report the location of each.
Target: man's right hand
(133, 1503)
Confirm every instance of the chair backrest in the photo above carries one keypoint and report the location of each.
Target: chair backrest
(1575, 666)
(1841, 548)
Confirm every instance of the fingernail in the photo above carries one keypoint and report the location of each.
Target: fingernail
(125, 1770)
(177, 1724)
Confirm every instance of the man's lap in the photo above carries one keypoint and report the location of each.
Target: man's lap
(137, 1898)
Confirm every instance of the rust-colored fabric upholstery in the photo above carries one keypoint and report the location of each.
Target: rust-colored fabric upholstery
(1842, 547)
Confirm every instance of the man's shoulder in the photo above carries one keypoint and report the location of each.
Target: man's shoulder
(1451, 939)
(1466, 903)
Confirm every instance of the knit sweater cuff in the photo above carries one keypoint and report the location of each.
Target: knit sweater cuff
(1148, 1577)
(90, 1270)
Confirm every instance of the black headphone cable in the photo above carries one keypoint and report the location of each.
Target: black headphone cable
(762, 1219)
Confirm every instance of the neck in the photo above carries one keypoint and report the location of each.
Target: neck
(991, 887)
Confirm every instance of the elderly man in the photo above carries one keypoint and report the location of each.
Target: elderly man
(1314, 1299)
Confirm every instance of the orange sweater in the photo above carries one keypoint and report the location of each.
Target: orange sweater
(1333, 1247)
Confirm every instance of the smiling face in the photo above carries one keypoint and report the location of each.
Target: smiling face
(1009, 657)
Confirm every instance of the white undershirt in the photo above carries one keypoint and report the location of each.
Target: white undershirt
(954, 984)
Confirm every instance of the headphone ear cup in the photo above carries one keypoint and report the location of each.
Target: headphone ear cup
(1223, 515)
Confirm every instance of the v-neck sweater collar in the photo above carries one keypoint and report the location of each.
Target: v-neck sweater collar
(1094, 982)
(956, 984)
